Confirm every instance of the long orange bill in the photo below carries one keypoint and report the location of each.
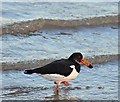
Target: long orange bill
(86, 63)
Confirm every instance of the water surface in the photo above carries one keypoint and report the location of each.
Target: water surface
(99, 83)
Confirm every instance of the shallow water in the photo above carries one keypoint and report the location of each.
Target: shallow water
(99, 83)
(59, 43)
(63, 29)
(20, 11)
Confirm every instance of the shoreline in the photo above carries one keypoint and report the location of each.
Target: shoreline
(37, 63)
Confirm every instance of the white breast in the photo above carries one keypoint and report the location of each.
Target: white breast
(73, 75)
(57, 77)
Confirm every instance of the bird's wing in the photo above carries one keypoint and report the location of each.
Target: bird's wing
(61, 67)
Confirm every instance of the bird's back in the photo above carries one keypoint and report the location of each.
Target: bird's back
(57, 67)
(61, 67)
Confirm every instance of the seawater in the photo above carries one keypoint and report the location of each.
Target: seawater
(60, 43)
(43, 32)
(56, 30)
(99, 83)
(20, 11)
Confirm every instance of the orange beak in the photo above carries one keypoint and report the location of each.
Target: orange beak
(86, 63)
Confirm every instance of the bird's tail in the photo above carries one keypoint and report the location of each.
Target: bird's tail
(28, 71)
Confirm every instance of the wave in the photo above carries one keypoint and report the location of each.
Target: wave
(25, 27)
(98, 59)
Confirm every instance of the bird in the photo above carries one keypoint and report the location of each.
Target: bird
(61, 70)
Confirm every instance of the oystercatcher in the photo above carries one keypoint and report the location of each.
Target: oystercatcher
(61, 70)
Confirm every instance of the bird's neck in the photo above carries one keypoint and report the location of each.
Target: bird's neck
(74, 61)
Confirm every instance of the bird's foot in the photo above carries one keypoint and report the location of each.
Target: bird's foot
(66, 83)
(55, 83)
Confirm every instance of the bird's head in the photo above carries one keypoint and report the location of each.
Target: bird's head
(78, 57)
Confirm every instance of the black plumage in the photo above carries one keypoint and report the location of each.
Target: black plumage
(61, 67)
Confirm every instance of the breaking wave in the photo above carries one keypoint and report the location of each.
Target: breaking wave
(25, 27)
(98, 59)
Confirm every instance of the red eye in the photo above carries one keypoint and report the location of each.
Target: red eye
(79, 56)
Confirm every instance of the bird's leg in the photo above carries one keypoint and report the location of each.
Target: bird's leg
(66, 83)
(57, 87)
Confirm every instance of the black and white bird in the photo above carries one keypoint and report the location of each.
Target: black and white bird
(61, 70)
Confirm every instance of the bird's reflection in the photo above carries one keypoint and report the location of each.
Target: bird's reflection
(64, 94)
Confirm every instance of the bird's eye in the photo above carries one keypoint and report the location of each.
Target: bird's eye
(79, 56)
